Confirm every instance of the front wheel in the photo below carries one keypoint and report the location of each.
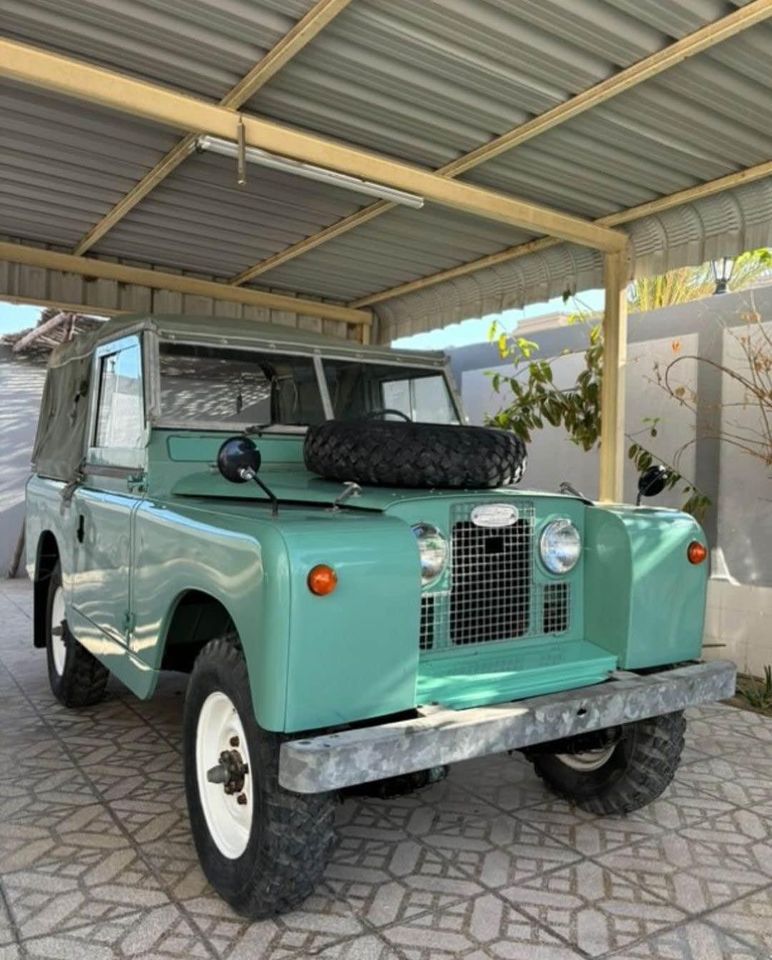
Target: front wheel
(76, 677)
(261, 847)
(616, 771)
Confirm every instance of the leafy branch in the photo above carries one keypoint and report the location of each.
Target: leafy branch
(534, 399)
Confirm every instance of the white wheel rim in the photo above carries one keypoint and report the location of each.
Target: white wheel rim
(58, 646)
(229, 821)
(587, 760)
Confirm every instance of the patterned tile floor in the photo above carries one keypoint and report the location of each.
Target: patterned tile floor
(96, 859)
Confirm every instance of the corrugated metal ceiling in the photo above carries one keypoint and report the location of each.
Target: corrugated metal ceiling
(421, 80)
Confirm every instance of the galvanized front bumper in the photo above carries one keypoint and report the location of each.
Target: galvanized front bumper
(439, 735)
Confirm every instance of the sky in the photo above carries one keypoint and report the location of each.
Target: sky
(476, 331)
(14, 318)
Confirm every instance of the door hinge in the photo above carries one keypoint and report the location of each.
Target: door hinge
(129, 622)
(136, 482)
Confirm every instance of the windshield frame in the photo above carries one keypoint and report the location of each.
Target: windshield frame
(317, 356)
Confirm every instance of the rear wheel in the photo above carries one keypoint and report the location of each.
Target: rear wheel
(261, 847)
(619, 770)
(76, 677)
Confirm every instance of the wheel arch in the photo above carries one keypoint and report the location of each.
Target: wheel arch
(46, 558)
(195, 617)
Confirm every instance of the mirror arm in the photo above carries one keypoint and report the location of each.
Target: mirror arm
(248, 474)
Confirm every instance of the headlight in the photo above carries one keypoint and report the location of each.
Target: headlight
(432, 549)
(560, 546)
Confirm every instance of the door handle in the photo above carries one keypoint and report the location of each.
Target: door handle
(81, 525)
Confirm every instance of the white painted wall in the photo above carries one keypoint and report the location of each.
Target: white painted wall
(21, 384)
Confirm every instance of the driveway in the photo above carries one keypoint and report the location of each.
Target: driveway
(96, 860)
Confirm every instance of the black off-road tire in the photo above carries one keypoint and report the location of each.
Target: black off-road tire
(291, 835)
(396, 454)
(83, 680)
(641, 767)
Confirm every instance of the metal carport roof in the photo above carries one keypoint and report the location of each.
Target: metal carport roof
(545, 121)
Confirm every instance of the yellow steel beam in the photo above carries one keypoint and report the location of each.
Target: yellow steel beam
(157, 279)
(63, 75)
(689, 195)
(290, 44)
(696, 42)
(612, 395)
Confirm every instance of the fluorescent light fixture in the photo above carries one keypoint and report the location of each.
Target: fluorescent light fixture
(228, 148)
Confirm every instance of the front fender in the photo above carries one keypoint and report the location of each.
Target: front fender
(644, 601)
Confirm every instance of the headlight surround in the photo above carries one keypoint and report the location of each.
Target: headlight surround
(432, 549)
(560, 546)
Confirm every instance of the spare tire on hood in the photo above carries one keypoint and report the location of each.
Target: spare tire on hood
(390, 453)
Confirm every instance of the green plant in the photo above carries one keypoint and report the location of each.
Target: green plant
(535, 399)
(693, 283)
(758, 693)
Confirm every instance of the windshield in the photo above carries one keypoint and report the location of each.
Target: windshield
(357, 389)
(209, 385)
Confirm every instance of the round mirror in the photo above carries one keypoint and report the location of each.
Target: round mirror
(238, 459)
(652, 481)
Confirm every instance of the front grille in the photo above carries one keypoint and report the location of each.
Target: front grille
(555, 608)
(491, 582)
(490, 595)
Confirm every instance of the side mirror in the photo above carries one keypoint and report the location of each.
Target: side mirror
(652, 481)
(238, 460)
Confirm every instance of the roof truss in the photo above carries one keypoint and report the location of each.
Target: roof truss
(291, 44)
(650, 208)
(645, 69)
(72, 78)
(180, 283)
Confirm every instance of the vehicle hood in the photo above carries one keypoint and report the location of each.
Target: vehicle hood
(298, 486)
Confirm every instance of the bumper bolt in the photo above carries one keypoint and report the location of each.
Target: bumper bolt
(241, 799)
(234, 741)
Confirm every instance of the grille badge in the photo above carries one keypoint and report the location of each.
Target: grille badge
(494, 515)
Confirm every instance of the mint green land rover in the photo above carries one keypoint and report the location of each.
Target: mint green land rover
(354, 580)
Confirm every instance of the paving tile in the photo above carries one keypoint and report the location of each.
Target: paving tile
(684, 872)
(161, 832)
(44, 905)
(711, 738)
(11, 951)
(44, 795)
(158, 933)
(6, 929)
(723, 717)
(749, 919)
(385, 874)
(587, 833)
(729, 780)
(479, 928)
(31, 753)
(498, 850)
(369, 947)
(690, 941)
(681, 805)
(323, 920)
(509, 785)
(740, 834)
(592, 907)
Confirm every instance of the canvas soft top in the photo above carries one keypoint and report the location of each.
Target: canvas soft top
(61, 433)
(232, 331)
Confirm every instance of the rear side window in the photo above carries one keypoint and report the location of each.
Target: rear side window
(120, 416)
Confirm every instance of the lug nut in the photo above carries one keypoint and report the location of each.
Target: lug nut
(241, 799)
(234, 741)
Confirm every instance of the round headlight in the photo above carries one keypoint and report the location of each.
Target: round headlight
(432, 549)
(560, 546)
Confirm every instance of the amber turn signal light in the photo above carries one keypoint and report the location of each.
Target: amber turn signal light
(696, 552)
(322, 580)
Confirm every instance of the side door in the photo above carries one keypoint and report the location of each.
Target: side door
(104, 504)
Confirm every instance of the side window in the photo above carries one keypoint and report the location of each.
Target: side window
(120, 416)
